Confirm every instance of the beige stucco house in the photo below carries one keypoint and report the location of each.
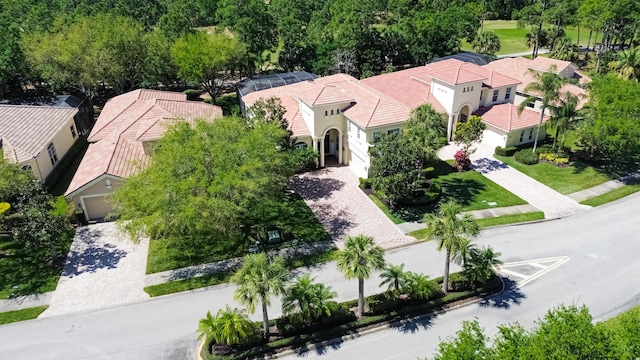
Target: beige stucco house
(121, 142)
(37, 137)
(340, 116)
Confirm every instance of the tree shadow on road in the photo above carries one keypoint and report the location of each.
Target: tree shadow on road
(414, 324)
(89, 255)
(321, 347)
(507, 298)
(485, 165)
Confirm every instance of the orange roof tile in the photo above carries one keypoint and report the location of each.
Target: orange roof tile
(506, 117)
(142, 115)
(25, 130)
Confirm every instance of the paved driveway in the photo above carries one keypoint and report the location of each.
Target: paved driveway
(103, 268)
(335, 198)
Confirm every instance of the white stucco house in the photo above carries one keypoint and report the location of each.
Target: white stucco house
(121, 142)
(37, 137)
(340, 116)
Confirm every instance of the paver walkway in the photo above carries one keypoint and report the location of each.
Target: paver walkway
(335, 198)
(103, 268)
(552, 203)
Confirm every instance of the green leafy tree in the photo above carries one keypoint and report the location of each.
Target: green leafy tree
(427, 130)
(394, 277)
(395, 167)
(486, 43)
(534, 14)
(205, 180)
(258, 279)
(357, 260)
(545, 87)
(469, 343)
(228, 327)
(208, 59)
(451, 230)
(11, 57)
(469, 132)
(306, 301)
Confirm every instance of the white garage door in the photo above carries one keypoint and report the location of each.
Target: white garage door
(491, 139)
(97, 207)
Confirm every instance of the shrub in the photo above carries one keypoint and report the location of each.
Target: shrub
(365, 183)
(420, 287)
(192, 94)
(459, 282)
(306, 159)
(382, 303)
(500, 151)
(526, 157)
(290, 327)
(562, 161)
(423, 197)
(462, 161)
(547, 157)
(511, 150)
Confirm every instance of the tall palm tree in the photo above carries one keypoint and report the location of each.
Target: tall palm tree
(628, 64)
(546, 86)
(450, 229)
(424, 129)
(394, 277)
(306, 301)
(229, 326)
(357, 260)
(562, 116)
(258, 279)
(486, 43)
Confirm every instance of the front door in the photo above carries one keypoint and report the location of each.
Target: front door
(327, 144)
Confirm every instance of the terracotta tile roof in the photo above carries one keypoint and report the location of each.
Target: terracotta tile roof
(26, 130)
(506, 117)
(117, 147)
(457, 74)
(542, 63)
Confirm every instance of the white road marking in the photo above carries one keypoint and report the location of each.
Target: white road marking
(538, 263)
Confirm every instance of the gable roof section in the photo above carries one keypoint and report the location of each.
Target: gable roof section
(506, 117)
(455, 72)
(117, 147)
(542, 63)
(26, 130)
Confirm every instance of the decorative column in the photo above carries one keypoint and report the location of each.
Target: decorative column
(322, 153)
(450, 127)
(340, 148)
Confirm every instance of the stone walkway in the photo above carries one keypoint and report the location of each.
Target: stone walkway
(335, 198)
(103, 268)
(552, 203)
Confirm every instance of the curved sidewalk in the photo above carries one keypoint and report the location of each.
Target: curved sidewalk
(552, 203)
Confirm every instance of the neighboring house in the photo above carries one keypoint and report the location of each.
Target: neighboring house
(37, 137)
(121, 142)
(341, 116)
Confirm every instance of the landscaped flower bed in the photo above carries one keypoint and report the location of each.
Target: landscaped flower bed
(383, 308)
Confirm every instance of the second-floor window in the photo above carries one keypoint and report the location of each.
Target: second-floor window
(507, 94)
(393, 131)
(53, 156)
(376, 137)
(495, 96)
(73, 131)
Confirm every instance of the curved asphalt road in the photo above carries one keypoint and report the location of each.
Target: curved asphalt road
(602, 245)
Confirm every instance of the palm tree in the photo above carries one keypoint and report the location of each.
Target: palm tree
(357, 260)
(424, 129)
(258, 279)
(420, 287)
(448, 227)
(394, 277)
(563, 115)
(478, 266)
(564, 49)
(486, 43)
(306, 301)
(546, 86)
(229, 326)
(628, 64)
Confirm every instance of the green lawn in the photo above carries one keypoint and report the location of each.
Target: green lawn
(512, 39)
(470, 188)
(24, 271)
(612, 195)
(170, 253)
(499, 220)
(21, 315)
(565, 180)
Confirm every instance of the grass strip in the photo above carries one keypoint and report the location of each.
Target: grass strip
(225, 276)
(612, 195)
(386, 210)
(492, 286)
(21, 315)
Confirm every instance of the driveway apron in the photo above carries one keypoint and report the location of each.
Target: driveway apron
(103, 268)
(344, 209)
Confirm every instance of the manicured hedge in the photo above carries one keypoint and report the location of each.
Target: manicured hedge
(508, 151)
(526, 157)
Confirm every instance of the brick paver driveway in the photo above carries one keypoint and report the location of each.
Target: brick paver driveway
(335, 198)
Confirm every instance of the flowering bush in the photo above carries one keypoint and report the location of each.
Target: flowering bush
(462, 161)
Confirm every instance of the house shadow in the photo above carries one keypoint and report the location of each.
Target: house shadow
(312, 188)
(414, 324)
(486, 165)
(92, 254)
(510, 296)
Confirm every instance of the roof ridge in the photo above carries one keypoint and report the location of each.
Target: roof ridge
(116, 116)
(373, 111)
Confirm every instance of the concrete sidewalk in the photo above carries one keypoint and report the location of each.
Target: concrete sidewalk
(25, 302)
(478, 214)
(552, 203)
(605, 187)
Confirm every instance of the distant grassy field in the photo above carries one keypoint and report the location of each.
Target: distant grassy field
(512, 38)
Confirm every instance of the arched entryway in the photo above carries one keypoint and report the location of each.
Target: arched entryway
(463, 114)
(331, 147)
